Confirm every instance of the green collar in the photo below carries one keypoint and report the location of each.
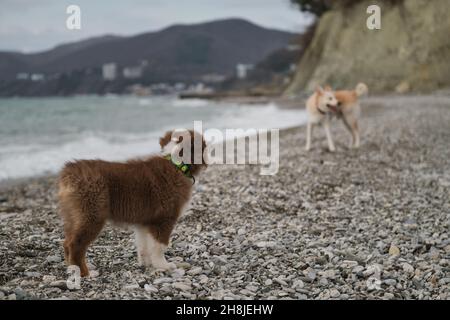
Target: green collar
(183, 167)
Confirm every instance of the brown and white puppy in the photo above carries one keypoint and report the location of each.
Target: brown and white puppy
(320, 107)
(148, 194)
(350, 110)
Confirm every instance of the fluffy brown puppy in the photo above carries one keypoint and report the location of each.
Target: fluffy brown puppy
(148, 194)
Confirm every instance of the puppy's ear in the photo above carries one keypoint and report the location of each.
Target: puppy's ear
(164, 140)
(319, 90)
(328, 88)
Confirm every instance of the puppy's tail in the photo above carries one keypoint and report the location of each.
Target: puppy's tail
(361, 89)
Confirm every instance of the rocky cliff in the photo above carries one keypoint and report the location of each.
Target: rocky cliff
(411, 52)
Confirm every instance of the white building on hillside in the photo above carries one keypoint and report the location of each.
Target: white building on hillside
(242, 70)
(132, 72)
(109, 71)
(37, 77)
(22, 76)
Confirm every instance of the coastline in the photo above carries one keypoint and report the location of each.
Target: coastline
(313, 231)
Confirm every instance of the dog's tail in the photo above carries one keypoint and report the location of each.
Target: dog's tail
(361, 89)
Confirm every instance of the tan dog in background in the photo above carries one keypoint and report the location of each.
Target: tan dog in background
(147, 194)
(320, 107)
(350, 110)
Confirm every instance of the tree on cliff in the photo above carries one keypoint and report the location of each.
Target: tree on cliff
(316, 7)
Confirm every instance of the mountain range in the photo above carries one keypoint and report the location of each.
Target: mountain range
(176, 53)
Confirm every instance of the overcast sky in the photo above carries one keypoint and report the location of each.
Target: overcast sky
(35, 25)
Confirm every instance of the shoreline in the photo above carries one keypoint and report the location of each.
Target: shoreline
(19, 182)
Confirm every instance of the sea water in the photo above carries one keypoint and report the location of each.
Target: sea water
(38, 135)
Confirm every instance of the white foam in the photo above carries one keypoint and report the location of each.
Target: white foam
(31, 162)
(190, 103)
(267, 116)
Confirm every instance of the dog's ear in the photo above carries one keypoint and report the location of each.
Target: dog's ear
(164, 140)
(328, 88)
(319, 90)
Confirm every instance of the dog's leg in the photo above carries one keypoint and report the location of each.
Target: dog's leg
(80, 240)
(356, 134)
(143, 253)
(65, 211)
(158, 240)
(91, 217)
(157, 250)
(326, 126)
(68, 233)
(309, 129)
(351, 123)
(350, 129)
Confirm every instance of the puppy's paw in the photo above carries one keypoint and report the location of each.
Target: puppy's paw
(144, 260)
(84, 273)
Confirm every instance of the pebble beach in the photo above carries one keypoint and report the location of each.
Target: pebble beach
(371, 223)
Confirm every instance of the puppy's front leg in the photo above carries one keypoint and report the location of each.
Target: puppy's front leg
(157, 254)
(327, 132)
(143, 252)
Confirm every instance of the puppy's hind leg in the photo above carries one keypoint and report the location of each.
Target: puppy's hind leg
(68, 232)
(82, 237)
(66, 211)
(90, 219)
